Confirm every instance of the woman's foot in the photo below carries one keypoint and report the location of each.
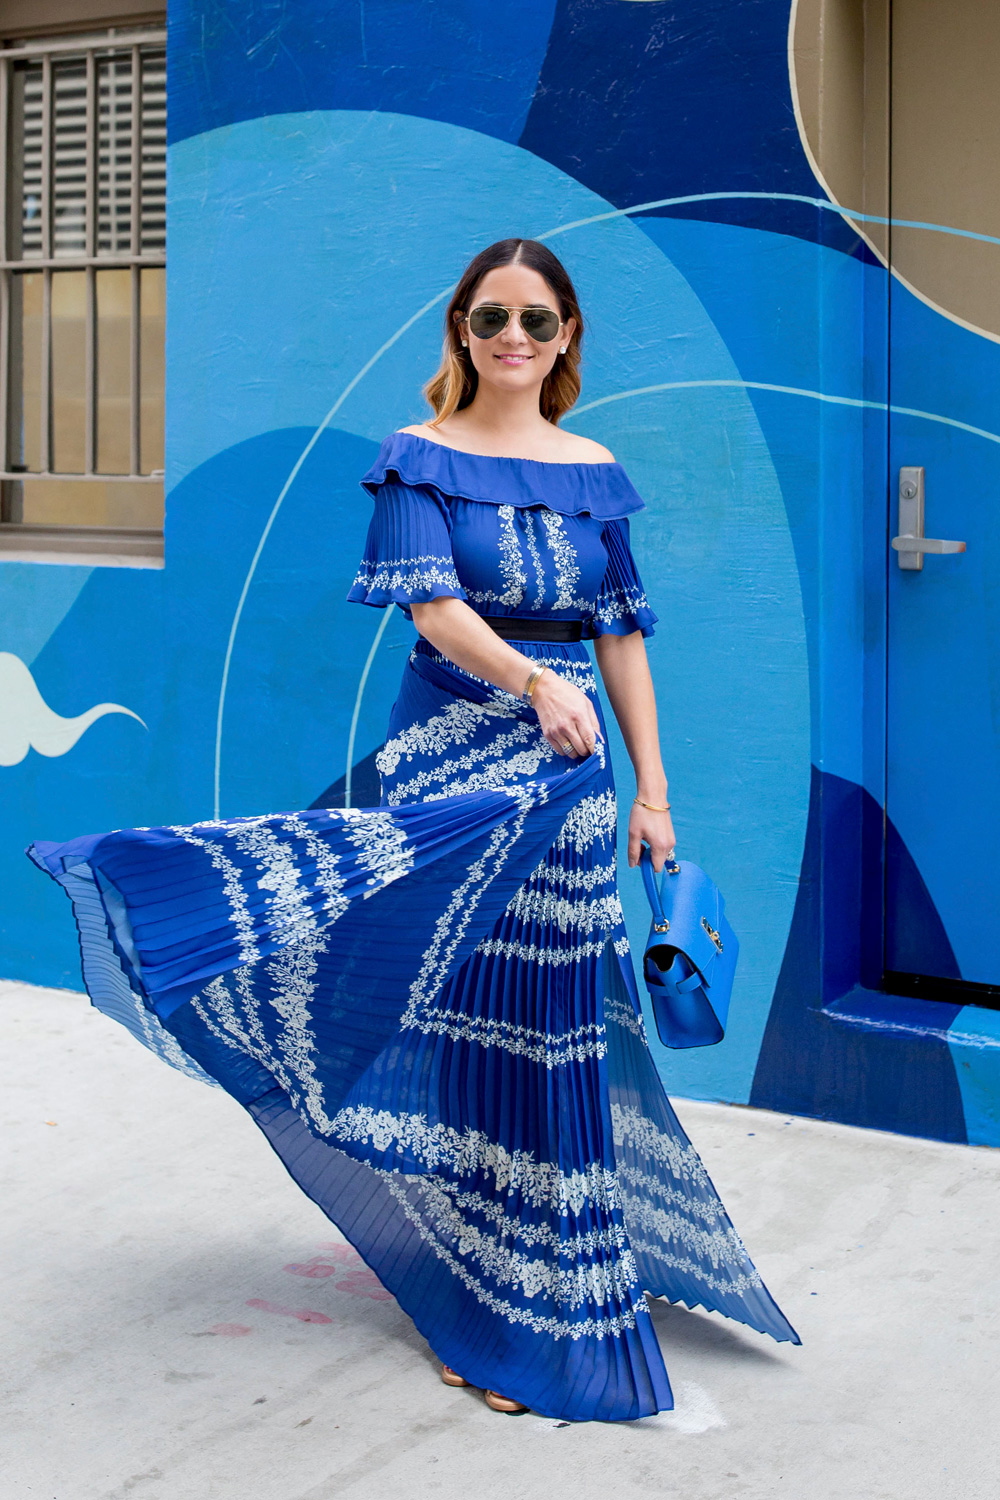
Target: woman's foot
(496, 1402)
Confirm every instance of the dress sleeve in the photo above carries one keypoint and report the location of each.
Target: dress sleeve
(621, 606)
(407, 557)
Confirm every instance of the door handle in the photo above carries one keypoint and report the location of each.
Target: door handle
(911, 544)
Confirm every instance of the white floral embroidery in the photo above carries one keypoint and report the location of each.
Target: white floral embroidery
(382, 846)
(328, 872)
(536, 560)
(232, 885)
(453, 921)
(585, 1282)
(598, 1328)
(564, 557)
(624, 603)
(511, 560)
(678, 1156)
(593, 820)
(291, 1060)
(407, 575)
(451, 778)
(288, 907)
(618, 1012)
(553, 1234)
(471, 1153)
(229, 1005)
(634, 1183)
(719, 1246)
(744, 1281)
(596, 914)
(217, 1007)
(455, 726)
(563, 879)
(674, 1202)
(552, 1049)
(579, 673)
(483, 596)
(578, 670)
(292, 972)
(166, 1045)
(534, 953)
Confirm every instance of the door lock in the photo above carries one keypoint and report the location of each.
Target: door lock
(911, 544)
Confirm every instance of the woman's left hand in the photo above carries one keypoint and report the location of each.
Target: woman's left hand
(654, 829)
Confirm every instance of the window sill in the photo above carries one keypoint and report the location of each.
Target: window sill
(81, 546)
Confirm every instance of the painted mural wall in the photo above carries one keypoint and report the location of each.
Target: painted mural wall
(332, 168)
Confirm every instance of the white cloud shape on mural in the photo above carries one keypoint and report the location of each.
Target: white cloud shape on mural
(28, 723)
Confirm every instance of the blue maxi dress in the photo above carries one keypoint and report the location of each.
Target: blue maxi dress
(429, 1007)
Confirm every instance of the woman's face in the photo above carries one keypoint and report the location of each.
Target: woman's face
(511, 361)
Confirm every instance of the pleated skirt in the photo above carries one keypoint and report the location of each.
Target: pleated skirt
(430, 1011)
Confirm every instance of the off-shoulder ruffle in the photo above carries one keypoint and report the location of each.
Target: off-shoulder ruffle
(601, 490)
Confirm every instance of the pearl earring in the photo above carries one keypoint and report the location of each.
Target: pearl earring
(562, 349)
(465, 343)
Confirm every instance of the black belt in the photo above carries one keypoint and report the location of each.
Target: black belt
(518, 628)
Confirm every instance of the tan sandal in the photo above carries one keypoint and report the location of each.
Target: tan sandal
(496, 1402)
(451, 1377)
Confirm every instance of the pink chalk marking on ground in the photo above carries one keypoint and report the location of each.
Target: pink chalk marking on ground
(360, 1281)
(303, 1314)
(332, 1263)
(231, 1330)
(317, 1269)
(357, 1288)
(364, 1283)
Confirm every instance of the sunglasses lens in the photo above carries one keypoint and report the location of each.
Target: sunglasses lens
(487, 321)
(540, 323)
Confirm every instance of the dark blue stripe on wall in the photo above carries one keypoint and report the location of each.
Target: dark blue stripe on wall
(366, 786)
(636, 101)
(642, 102)
(467, 63)
(813, 1064)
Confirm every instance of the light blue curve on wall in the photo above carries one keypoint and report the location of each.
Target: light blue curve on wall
(359, 220)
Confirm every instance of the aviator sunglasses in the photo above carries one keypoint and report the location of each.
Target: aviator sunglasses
(490, 318)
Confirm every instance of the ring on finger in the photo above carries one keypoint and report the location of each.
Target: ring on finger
(567, 745)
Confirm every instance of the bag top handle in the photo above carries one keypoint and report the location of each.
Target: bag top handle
(652, 889)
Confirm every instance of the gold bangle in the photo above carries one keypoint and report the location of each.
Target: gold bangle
(532, 682)
(649, 806)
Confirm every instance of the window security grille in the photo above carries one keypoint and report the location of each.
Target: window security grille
(83, 235)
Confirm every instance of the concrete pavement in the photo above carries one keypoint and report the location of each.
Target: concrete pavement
(164, 1339)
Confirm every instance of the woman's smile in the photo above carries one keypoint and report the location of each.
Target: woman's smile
(513, 359)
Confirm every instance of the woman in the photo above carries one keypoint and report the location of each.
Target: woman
(429, 1007)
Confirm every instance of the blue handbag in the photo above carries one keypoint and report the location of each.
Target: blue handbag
(690, 955)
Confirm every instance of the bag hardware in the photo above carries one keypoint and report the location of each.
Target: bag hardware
(712, 933)
(689, 975)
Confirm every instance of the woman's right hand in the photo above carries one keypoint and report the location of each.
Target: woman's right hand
(567, 717)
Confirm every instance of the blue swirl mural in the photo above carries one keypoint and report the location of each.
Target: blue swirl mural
(331, 171)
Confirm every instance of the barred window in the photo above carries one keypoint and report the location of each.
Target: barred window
(82, 295)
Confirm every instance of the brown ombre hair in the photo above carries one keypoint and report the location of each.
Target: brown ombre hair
(454, 385)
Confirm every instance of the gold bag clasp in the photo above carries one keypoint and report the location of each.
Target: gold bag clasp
(712, 934)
